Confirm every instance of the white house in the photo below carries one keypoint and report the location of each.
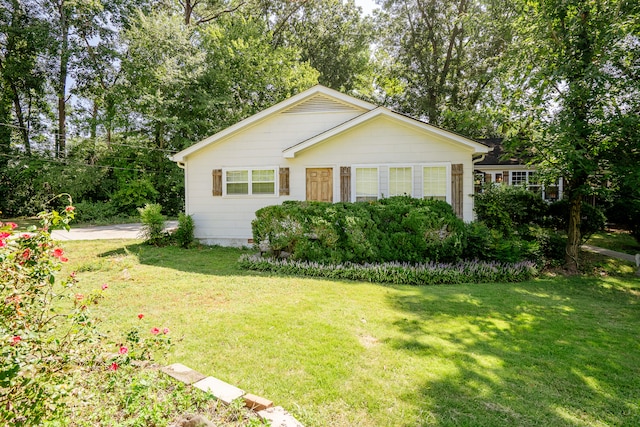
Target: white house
(497, 168)
(320, 145)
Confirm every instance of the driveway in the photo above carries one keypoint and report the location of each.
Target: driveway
(103, 232)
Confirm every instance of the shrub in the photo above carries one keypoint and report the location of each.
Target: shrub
(431, 273)
(506, 208)
(593, 219)
(152, 223)
(184, 234)
(394, 229)
(44, 324)
(95, 211)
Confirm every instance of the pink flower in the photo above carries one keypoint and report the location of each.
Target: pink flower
(140, 316)
(13, 225)
(114, 367)
(69, 209)
(123, 350)
(26, 254)
(4, 234)
(16, 339)
(79, 297)
(104, 286)
(58, 253)
(64, 259)
(155, 331)
(73, 274)
(2, 243)
(165, 331)
(26, 236)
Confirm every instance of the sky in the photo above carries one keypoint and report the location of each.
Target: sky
(367, 6)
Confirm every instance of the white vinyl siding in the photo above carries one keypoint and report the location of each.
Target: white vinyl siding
(366, 184)
(434, 182)
(400, 181)
(247, 182)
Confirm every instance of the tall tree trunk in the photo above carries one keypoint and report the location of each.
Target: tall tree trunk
(24, 132)
(61, 137)
(5, 131)
(572, 255)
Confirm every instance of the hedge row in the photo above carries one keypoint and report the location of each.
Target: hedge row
(431, 273)
(393, 229)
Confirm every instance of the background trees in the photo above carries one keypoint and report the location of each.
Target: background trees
(96, 95)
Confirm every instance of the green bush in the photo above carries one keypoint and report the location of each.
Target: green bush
(184, 234)
(393, 229)
(95, 211)
(506, 208)
(593, 219)
(152, 223)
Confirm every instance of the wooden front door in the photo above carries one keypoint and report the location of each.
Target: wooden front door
(320, 184)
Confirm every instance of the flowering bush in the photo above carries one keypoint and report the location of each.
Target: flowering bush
(44, 323)
(430, 273)
(46, 331)
(140, 345)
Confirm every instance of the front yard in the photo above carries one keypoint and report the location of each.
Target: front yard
(554, 351)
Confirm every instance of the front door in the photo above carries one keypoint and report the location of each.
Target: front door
(320, 184)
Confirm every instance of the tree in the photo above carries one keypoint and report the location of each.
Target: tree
(23, 37)
(332, 36)
(577, 63)
(440, 57)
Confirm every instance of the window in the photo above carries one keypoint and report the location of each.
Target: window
(518, 178)
(400, 181)
(244, 182)
(434, 182)
(366, 184)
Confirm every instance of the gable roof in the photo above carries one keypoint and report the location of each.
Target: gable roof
(385, 112)
(316, 99)
(319, 99)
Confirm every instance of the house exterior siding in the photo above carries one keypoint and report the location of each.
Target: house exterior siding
(381, 141)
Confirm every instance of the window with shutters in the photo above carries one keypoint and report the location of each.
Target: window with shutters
(400, 181)
(435, 180)
(249, 182)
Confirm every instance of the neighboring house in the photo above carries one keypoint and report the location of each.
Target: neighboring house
(320, 145)
(496, 168)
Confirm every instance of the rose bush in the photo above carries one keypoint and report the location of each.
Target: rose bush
(47, 333)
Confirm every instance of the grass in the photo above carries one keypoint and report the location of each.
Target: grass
(615, 241)
(561, 351)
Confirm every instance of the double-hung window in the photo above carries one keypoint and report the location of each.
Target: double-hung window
(434, 182)
(400, 181)
(366, 184)
(247, 182)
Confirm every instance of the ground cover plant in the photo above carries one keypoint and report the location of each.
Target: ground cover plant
(557, 350)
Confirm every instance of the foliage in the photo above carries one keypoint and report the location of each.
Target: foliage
(394, 229)
(506, 208)
(44, 323)
(445, 57)
(575, 107)
(152, 223)
(399, 273)
(184, 234)
(592, 220)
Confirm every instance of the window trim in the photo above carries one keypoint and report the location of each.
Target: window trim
(354, 179)
(417, 191)
(395, 166)
(249, 170)
(447, 169)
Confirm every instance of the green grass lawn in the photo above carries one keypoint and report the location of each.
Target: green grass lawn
(616, 241)
(551, 352)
